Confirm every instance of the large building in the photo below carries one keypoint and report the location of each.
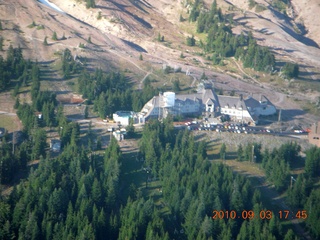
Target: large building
(314, 134)
(207, 103)
(123, 117)
(182, 104)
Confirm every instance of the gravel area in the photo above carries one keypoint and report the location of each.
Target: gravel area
(233, 140)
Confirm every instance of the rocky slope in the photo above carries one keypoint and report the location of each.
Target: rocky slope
(121, 30)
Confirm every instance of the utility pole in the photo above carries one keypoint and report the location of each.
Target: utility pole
(279, 118)
(291, 181)
(252, 153)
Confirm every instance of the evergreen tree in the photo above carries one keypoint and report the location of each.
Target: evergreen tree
(86, 112)
(176, 86)
(312, 163)
(90, 4)
(240, 153)
(54, 36)
(223, 150)
(1, 43)
(17, 103)
(45, 41)
(191, 41)
(291, 70)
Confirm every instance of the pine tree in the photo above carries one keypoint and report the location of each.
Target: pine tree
(223, 149)
(86, 112)
(17, 103)
(54, 36)
(1, 43)
(45, 42)
(240, 153)
(90, 4)
(181, 19)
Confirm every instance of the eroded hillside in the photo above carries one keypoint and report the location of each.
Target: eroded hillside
(116, 33)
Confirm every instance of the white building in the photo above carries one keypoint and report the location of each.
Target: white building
(123, 117)
(206, 102)
(182, 104)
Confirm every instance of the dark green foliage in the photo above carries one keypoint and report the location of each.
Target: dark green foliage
(14, 67)
(38, 143)
(298, 193)
(99, 17)
(291, 70)
(140, 57)
(54, 36)
(1, 43)
(195, 11)
(181, 19)
(223, 150)
(45, 41)
(12, 162)
(69, 65)
(74, 196)
(191, 41)
(312, 207)
(65, 198)
(35, 85)
(176, 86)
(112, 91)
(312, 163)
(240, 153)
(27, 116)
(1, 28)
(17, 103)
(86, 112)
(252, 4)
(223, 43)
(276, 164)
(90, 4)
(130, 129)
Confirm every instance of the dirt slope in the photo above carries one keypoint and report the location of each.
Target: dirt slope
(128, 28)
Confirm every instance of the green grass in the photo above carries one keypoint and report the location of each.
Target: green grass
(9, 123)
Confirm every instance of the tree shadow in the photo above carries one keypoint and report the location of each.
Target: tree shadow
(134, 46)
(291, 114)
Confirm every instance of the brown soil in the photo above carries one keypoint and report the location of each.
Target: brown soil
(130, 28)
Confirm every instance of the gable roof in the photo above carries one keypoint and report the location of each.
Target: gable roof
(252, 103)
(231, 102)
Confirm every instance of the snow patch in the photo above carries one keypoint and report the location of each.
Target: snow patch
(51, 5)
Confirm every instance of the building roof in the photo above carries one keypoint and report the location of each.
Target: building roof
(231, 102)
(124, 114)
(252, 103)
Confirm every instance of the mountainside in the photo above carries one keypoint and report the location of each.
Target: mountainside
(116, 33)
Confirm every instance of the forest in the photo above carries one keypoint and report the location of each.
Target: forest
(82, 194)
(111, 92)
(78, 195)
(222, 43)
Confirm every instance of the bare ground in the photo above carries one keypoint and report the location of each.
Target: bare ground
(130, 28)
